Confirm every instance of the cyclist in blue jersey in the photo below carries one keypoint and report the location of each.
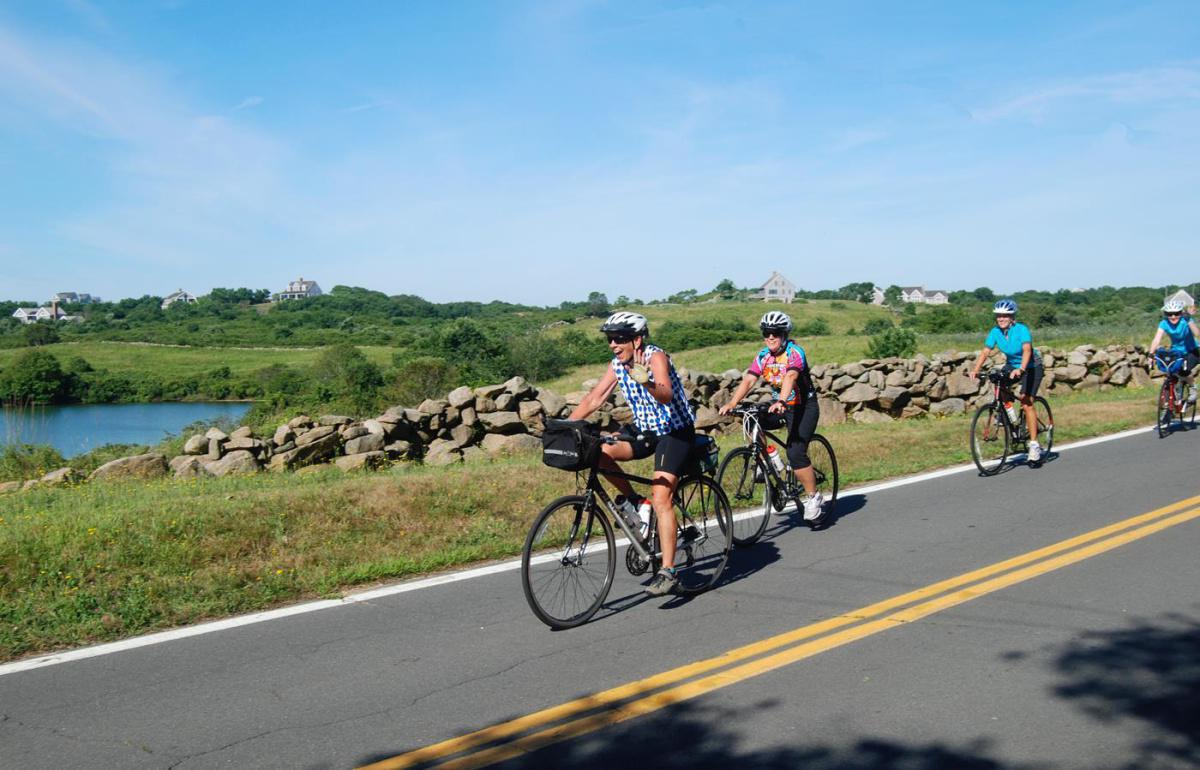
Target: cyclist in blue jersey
(1181, 330)
(784, 365)
(1022, 363)
(663, 425)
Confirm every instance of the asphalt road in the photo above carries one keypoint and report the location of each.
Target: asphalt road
(1087, 657)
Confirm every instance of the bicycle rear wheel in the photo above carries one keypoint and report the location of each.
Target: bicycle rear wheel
(744, 479)
(989, 440)
(568, 562)
(825, 468)
(1188, 414)
(1163, 420)
(1045, 423)
(705, 533)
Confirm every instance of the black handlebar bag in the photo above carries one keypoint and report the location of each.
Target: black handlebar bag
(570, 445)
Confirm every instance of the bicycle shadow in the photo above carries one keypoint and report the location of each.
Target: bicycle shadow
(743, 562)
(1021, 460)
(794, 518)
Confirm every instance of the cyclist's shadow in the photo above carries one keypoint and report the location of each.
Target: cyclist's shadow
(743, 562)
(1022, 461)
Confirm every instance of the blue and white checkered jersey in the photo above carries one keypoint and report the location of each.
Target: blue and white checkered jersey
(648, 413)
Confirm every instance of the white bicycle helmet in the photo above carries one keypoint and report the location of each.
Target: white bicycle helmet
(1172, 306)
(1005, 307)
(623, 322)
(773, 320)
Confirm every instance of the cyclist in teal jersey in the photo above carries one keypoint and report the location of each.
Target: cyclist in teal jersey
(1022, 363)
(785, 367)
(1182, 332)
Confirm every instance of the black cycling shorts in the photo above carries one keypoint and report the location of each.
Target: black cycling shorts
(671, 450)
(1030, 381)
(801, 421)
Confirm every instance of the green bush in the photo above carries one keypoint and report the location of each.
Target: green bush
(876, 326)
(426, 377)
(19, 462)
(900, 343)
(35, 376)
(536, 356)
(817, 327)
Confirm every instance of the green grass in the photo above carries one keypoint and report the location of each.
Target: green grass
(101, 561)
(177, 362)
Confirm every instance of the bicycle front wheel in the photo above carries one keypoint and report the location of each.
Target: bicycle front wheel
(825, 468)
(746, 484)
(705, 533)
(1164, 408)
(568, 562)
(1045, 423)
(989, 440)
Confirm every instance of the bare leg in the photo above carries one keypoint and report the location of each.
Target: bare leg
(609, 454)
(807, 477)
(664, 510)
(1030, 416)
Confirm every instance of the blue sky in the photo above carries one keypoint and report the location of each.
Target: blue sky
(533, 152)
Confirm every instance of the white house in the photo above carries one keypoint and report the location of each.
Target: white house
(73, 298)
(877, 297)
(179, 295)
(776, 289)
(1181, 296)
(30, 315)
(920, 294)
(299, 289)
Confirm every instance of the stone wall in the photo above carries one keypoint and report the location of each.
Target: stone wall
(471, 424)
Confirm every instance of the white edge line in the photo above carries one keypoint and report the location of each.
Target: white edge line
(147, 640)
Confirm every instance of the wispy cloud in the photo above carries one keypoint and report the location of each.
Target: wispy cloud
(364, 106)
(858, 137)
(1170, 83)
(248, 103)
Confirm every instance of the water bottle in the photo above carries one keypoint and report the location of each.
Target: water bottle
(776, 460)
(1011, 408)
(644, 512)
(628, 512)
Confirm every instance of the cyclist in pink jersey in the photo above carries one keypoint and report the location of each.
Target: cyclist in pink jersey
(784, 365)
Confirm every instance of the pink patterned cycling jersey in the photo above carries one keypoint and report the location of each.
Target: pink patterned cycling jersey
(772, 367)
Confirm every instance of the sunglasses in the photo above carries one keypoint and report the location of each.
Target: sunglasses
(620, 339)
(768, 335)
(1174, 315)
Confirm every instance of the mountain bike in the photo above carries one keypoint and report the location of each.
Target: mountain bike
(750, 478)
(1171, 403)
(570, 554)
(999, 426)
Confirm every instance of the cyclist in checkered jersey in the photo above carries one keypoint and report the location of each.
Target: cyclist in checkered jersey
(784, 365)
(663, 425)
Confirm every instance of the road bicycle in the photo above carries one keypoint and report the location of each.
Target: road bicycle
(750, 478)
(1171, 403)
(999, 427)
(570, 554)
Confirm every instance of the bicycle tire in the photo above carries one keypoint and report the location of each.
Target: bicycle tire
(1163, 416)
(989, 426)
(739, 479)
(1045, 423)
(825, 467)
(563, 592)
(705, 533)
(1188, 414)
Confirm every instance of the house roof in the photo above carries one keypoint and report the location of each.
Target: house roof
(911, 289)
(938, 291)
(776, 274)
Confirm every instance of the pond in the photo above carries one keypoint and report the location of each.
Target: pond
(80, 428)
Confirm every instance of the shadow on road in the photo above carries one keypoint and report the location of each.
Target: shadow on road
(691, 735)
(1149, 672)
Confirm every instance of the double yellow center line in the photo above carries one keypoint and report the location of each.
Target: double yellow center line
(528, 733)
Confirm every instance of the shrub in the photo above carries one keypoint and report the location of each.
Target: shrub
(817, 327)
(426, 377)
(876, 326)
(536, 357)
(27, 461)
(900, 343)
(34, 376)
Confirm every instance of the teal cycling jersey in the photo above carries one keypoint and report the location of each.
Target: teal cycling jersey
(1180, 333)
(1010, 344)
